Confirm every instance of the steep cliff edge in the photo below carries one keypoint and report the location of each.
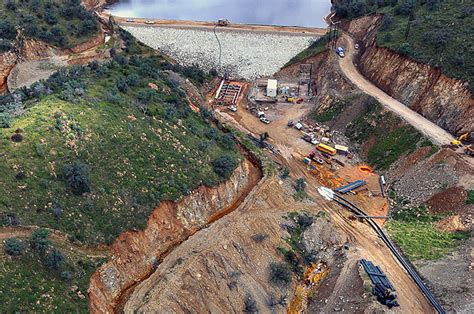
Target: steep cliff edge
(443, 100)
(137, 253)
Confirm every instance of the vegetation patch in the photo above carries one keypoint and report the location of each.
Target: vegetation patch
(392, 137)
(470, 197)
(334, 109)
(418, 29)
(315, 48)
(43, 279)
(412, 228)
(63, 23)
(103, 144)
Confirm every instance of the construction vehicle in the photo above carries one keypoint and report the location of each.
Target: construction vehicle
(459, 141)
(223, 22)
(469, 150)
(326, 149)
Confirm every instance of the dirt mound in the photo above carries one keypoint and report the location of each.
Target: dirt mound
(451, 224)
(448, 201)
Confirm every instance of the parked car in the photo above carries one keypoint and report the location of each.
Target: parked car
(264, 120)
(149, 22)
(340, 52)
(233, 108)
(130, 20)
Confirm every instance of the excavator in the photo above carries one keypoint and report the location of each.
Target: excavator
(459, 142)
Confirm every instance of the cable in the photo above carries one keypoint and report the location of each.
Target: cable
(220, 47)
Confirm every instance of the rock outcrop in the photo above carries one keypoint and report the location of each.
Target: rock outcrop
(425, 89)
(137, 253)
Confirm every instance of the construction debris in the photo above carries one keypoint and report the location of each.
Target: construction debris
(383, 289)
(351, 186)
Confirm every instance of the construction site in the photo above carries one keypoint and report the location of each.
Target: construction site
(273, 112)
(342, 196)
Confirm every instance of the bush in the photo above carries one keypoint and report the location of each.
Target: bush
(17, 137)
(300, 184)
(227, 141)
(224, 165)
(280, 274)
(470, 197)
(66, 275)
(14, 246)
(54, 260)
(5, 45)
(39, 241)
(250, 305)
(285, 173)
(77, 177)
(5, 120)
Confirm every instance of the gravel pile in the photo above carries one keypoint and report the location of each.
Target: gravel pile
(244, 54)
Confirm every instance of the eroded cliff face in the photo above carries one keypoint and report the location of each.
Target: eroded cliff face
(26, 50)
(137, 253)
(441, 99)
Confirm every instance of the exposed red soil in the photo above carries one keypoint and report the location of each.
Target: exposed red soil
(448, 201)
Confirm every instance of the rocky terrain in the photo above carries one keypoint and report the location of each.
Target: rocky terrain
(137, 253)
(244, 54)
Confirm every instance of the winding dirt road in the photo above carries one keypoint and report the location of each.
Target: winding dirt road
(426, 127)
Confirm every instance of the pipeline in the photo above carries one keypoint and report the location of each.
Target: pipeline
(410, 270)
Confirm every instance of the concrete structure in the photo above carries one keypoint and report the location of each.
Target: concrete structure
(272, 87)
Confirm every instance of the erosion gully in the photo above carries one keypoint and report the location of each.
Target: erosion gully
(255, 175)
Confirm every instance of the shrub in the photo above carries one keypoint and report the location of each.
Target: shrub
(227, 141)
(122, 85)
(5, 120)
(39, 241)
(66, 275)
(224, 165)
(54, 260)
(280, 274)
(259, 237)
(17, 137)
(5, 45)
(300, 184)
(285, 173)
(304, 221)
(470, 197)
(250, 305)
(14, 246)
(77, 177)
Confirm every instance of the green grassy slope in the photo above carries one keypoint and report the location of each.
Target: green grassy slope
(141, 145)
(62, 23)
(28, 285)
(436, 32)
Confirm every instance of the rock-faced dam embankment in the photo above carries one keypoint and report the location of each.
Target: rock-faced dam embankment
(245, 54)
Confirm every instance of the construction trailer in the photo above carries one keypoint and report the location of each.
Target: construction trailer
(272, 87)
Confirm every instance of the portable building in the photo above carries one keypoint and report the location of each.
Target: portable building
(343, 150)
(272, 86)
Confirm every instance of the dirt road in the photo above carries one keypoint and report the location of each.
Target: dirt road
(287, 30)
(426, 127)
(366, 243)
